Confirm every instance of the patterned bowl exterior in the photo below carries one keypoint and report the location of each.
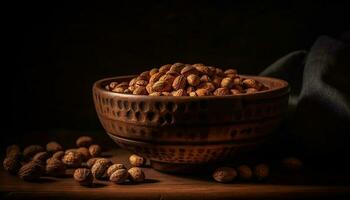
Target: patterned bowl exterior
(190, 130)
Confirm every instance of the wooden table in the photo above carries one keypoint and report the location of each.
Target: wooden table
(161, 186)
(311, 184)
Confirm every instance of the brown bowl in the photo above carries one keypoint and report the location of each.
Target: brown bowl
(177, 133)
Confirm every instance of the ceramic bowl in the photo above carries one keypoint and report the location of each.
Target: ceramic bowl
(177, 133)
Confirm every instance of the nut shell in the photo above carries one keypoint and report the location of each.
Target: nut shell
(72, 159)
(136, 174)
(84, 152)
(224, 174)
(137, 161)
(245, 172)
(12, 165)
(53, 147)
(111, 169)
(119, 176)
(55, 167)
(30, 171)
(31, 150)
(95, 150)
(83, 176)
(85, 141)
(58, 155)
(99, 169)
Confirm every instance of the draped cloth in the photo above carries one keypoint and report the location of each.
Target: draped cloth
(318, 120)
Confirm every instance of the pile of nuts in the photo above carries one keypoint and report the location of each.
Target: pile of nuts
(180, 79)
(35, 161)
(259, 172)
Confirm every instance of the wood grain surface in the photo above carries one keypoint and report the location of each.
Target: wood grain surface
(161, 186)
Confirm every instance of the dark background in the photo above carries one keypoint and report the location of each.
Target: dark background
(61, 48)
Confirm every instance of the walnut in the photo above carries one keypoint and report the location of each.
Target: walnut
(136, 174)
(155, 77)
(30, 171)
(153, 71)
(177, 67)
(91, 162)
(165, 68)
(99, 169)
(245, 172)
(137, 161)
(203, 92)
(84, 141)
(53, 147)
(95, 150)
(261, 171)
(140, 90)
(221, 92)
(119, 176)
(179, 82)
(179, 93)
(161, 86)
(58, 155)
(227, 83)
(83, 176)
(251, 83)
(31, 150)
(193, 80)
(41, 157)
(111, 169)
(224, 174)
(12, 165)
(84, 152)
(55, 167)
(230, 71)
(188, 69)
(72, 159)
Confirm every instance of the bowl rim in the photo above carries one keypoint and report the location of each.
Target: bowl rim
(283, 89)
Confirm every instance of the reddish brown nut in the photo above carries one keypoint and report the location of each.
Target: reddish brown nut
(31, 150)
(55, 167)
(72, 159)
(167, 78)
(203, 70)
(205, 78)
(118, 90)
(99, 169)
(224, 174)
(84, 152)
(111, 169)
(137, 161)
(179, 82)
(235, 91)
(95, 150)
(177, 67)
(144, 76)
(161, 86)
(136, 174)
(193, 80)
(219, 72)
(192, 94)
(221, 92)
(30, 171)
(149, 88)
(140, 90)
(84, 141)
(119, 176)
(227, 83)
(203, 92)
(251, 90)
(251, 83)
(155, 77)
(180, 92)
(132, 82)
(190, 89)
(165, 68)
(261, 171)
(155, 94)
(230, 71)
(207, 85)
(188, 69)
(12, 165)
(112, 85)
(153, 71)
(91, 161)
(58, 155)
(245, 172)
(83, 176)
(41, 157)
(217, 81)
(141, 83)
(53, 147)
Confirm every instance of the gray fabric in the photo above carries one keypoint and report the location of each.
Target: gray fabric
(319, 115)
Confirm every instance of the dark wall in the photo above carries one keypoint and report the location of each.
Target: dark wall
(61, 49)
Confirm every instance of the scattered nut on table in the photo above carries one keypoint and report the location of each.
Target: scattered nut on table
(12, 165)
(136, 175)
(99, 169)
(31, 150)
(224, 174)
(137, 161)
(30, 171)
(84, 141)
(83, 176)
(119, 176)
(72, 159)
(84, 152)
(111, 169)
(53, 147)
(95, 150)
(55, 167)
